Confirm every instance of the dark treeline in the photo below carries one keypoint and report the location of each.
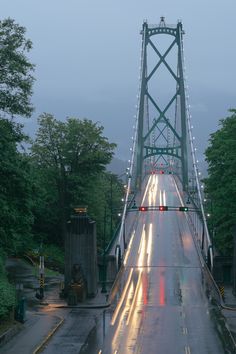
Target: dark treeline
(63, 167)
(221, 184)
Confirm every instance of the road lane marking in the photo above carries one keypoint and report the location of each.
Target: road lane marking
(187, 349)
(149, 245)
(141, 242)
(164, 197)
(160, 197)
(142, 248)
(185, 330)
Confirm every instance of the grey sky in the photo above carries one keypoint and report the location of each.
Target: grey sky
(87, 56)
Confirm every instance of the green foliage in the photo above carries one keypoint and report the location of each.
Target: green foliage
(15, 190)
(69, 160)
(221, 183)
(15, 92)
(16, 82)
(7, 291)
(16, 78)
(54, 256)
(102, 194)
(7, 297)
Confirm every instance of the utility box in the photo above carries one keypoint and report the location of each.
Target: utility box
(81, 255)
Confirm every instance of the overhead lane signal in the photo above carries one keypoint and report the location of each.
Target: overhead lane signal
(163, 208)
(143, 208)
(183, 208)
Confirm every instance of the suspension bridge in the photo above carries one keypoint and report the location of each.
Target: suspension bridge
(161, 299)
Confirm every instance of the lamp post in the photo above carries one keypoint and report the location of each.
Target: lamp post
(111, 205)
(41, 273)
(104, 290)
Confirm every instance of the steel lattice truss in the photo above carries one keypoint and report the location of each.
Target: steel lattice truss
(162, 136)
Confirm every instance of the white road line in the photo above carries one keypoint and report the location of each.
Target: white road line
(187, 349)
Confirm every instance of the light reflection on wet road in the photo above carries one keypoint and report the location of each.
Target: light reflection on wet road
(161, 306)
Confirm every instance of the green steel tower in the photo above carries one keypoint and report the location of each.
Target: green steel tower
(162, 132)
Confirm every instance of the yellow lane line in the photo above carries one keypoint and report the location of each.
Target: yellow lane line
(50, 334)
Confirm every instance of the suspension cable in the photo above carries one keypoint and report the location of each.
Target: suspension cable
(195, 167)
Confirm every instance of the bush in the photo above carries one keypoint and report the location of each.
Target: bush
(7, 292)
(7, 298)
(53, 257)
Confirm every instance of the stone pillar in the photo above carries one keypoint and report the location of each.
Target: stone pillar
(81, 249)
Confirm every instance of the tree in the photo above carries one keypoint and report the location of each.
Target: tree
(221, 183)
(16, 78)
(16, 82)
(71, 154)
(15, 191)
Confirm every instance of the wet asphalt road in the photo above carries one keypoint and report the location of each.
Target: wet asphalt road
(161, 305)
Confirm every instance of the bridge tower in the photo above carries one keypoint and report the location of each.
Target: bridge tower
(162, 133)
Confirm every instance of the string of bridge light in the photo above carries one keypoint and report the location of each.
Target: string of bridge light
(135, 126)
(190, 128)
(132, 149)
(193, 151)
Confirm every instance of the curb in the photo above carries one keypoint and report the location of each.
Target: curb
(102, 306)
(11, 332)
(49, 336)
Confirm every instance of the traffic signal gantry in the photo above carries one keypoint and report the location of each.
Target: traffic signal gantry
(144, 208)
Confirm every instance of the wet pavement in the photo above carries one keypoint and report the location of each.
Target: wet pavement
(161, 304)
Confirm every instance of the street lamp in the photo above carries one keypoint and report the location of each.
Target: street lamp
(104, 290)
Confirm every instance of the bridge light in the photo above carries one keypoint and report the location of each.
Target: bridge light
(183, 208)
(143, 208)
(163, 208)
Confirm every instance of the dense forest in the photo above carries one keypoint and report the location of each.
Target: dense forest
(43, 179)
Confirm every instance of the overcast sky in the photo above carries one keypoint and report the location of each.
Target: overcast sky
(87, 56)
